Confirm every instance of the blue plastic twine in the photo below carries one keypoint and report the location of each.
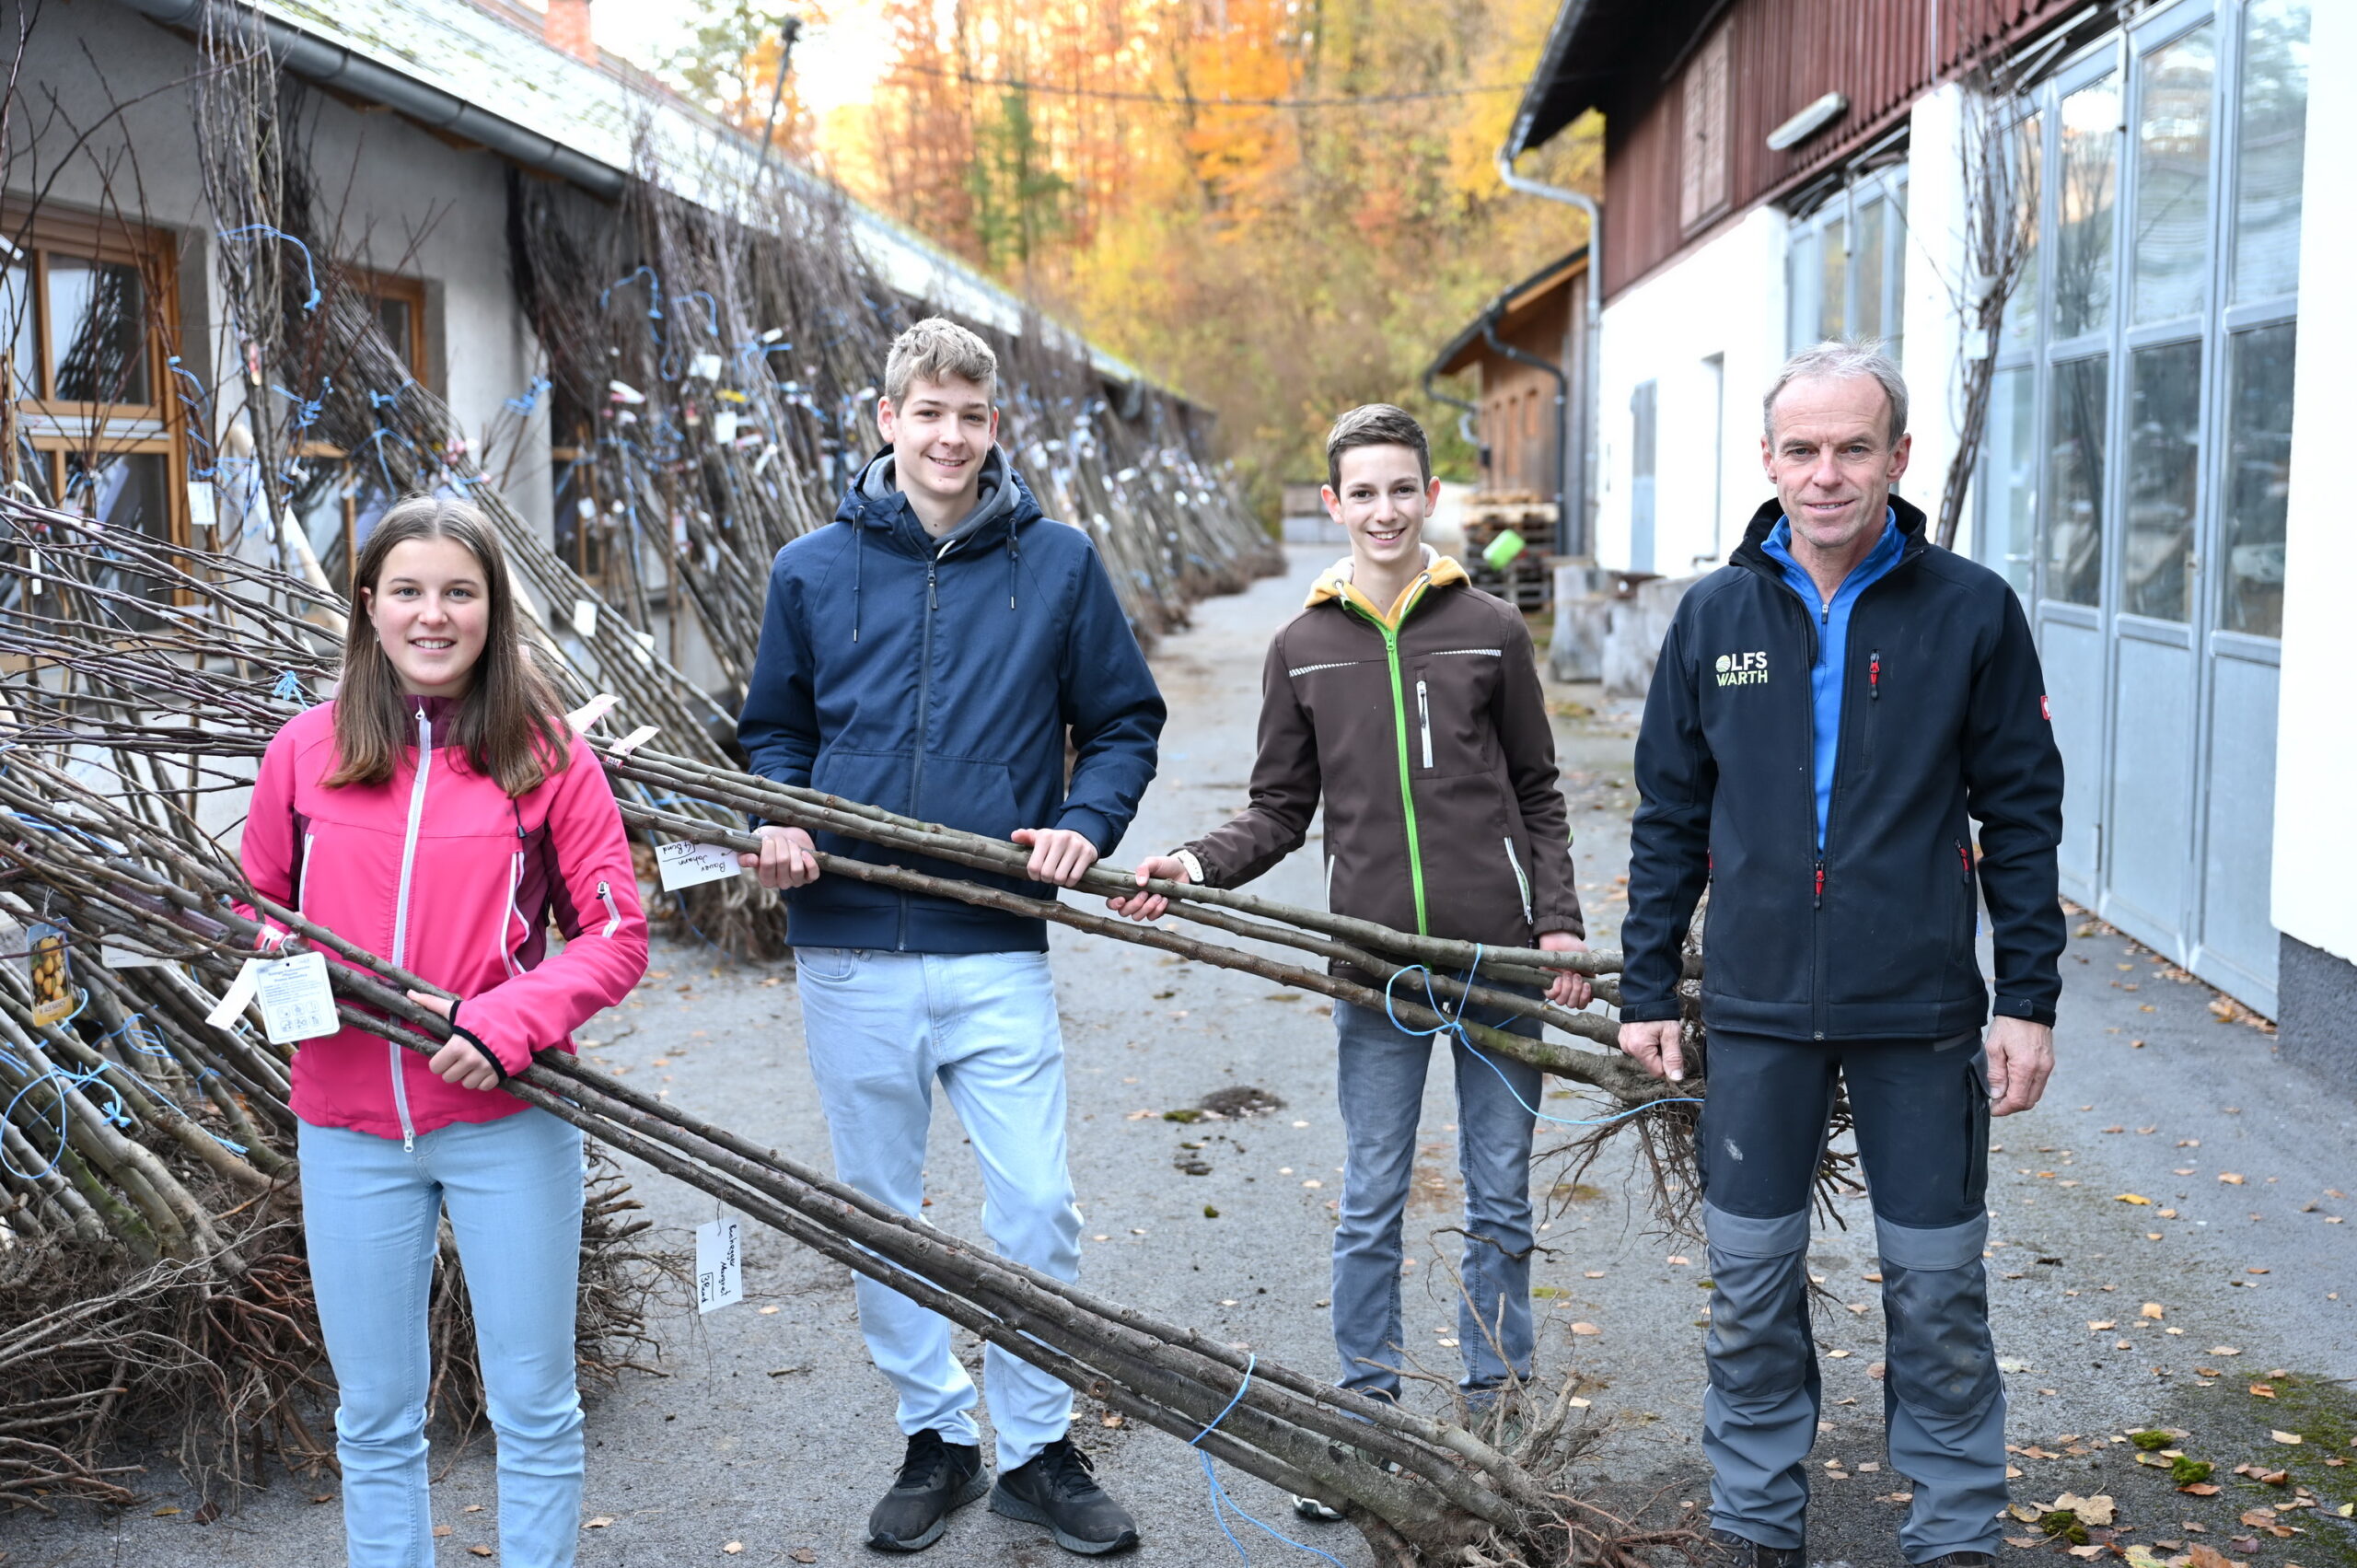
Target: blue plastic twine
(1454, 1024)
(308, 271)
(1219, 1497)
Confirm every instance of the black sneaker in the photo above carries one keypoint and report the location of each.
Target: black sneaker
(1728, 1549)
(936, 1477)
(1057, 1487)
(1961, 1560)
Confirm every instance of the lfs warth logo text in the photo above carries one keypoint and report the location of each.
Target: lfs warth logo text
(1744, 670)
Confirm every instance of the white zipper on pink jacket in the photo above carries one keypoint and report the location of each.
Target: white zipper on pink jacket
(445, 876)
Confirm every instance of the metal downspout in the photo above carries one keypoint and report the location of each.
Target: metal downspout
(1590, 393)
(1465, 417)
(1563, 457)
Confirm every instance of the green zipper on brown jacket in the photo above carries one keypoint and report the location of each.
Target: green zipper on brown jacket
(1400, 722)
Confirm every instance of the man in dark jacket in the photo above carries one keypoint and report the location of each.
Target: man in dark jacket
(1830, 713)
(1409, 702)
(929, 653)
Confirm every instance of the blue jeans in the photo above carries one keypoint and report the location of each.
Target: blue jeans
(882, 1029)
(1381, 1083)
(370, 1209)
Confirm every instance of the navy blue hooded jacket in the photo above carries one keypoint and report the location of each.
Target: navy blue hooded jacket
(937, 678)
(1943, 720)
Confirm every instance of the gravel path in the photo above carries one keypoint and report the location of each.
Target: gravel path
(772, 1431)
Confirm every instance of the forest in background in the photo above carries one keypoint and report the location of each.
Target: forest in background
(1279, 207)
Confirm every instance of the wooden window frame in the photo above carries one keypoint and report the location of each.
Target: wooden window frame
(60, 430)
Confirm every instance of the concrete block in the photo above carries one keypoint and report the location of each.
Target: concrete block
(1634, 630)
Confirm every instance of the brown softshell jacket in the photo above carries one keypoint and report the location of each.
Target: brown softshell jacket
(1426, 729)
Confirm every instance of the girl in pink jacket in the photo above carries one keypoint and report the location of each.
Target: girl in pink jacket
(440, 813)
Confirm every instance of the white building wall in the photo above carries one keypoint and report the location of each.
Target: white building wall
(416, 206)
(1933, 352)
(1725, 298)
(2315, 895)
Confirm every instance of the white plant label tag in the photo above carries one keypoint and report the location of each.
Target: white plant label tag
(724, 427)
(704, 368)
(296, 1002)
(685, 865)
(585, 617)
(720, 1273)
(233, 1001)
(201, 514)
(118, 955)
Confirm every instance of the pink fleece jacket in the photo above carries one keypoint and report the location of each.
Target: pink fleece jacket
(438, 870)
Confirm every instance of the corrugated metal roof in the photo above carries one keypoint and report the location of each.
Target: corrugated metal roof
(507, 70)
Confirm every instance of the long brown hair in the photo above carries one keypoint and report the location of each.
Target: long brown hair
(509, 726)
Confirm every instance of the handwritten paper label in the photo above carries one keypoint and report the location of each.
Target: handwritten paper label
(685, 865)
(720, 1275)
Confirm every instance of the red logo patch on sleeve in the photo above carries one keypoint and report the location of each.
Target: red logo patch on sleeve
(2045, 708)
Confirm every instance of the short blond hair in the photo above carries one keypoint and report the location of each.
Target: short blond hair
(938, 349)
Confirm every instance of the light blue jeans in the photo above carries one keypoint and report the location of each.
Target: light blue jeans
(1380, 1077)
(370, 1208)
(882, 1028)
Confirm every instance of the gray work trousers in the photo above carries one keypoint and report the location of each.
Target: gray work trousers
(1921, 1115)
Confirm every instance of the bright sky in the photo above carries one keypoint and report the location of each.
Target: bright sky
(834, 65)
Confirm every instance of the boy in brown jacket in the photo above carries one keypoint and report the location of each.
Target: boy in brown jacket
(1410, 701)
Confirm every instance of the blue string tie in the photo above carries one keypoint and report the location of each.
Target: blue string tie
(308, 271)
(1220, 1499)
(1453, 1024)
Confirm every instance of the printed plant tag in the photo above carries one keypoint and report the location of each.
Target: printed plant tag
(200, 507)
(720, 1275)
(297, 1003)
(704, 368)
(685, 865)
(584, 618)
(52, 975)
(724, 427)
(117, 955)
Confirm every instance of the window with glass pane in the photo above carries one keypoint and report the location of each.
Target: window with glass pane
(2009, 500)
(2074, 448)
(96, 331)
(20, 331)
(1894, 326)
(2163, 480)
(2259, 479)
(1833, 277)
(2029, 158)
(126, 494)
(1866, 270)
(2270, 147)
(1800, 290)
(2085, 209)
(2171, 256)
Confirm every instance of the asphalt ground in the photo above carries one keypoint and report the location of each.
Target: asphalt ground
(769, 1432)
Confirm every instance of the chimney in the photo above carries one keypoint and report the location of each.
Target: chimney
(568, 27)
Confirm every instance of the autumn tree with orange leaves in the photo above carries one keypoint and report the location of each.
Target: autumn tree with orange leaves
(1282, 207)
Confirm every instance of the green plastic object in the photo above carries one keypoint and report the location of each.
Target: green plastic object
(1505, 549)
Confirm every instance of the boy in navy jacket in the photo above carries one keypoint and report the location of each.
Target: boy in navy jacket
(928, 653)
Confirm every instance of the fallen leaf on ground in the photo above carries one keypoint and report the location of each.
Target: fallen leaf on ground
(2096, 1510)
(2285, 1436)
(2089, 1551)
(2200, 1488)
(733, 1548)
(2224, 1350)
(2100, 1325)
(803, 1554)
(1585, 1328)
(2132, 1198)
(441, 1530)
(2150, 1309)
(2231, 1178)
(480, 1550)
(599, 1523)
(2263, 1391)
